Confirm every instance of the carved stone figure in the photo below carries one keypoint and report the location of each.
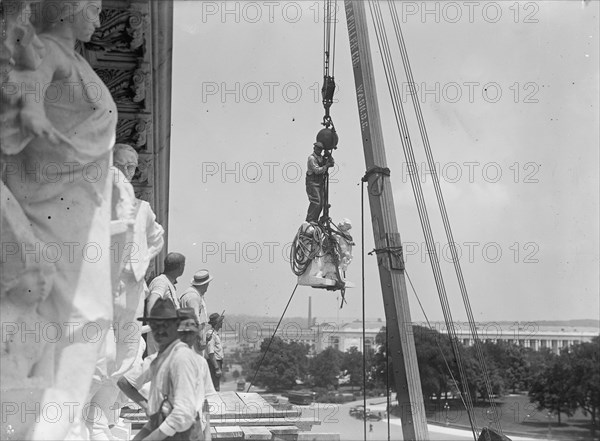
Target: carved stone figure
(20, 50)
(122, 350)
(25, 361)
(345, 243)
(56, 165)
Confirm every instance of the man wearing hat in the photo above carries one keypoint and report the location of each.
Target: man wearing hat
(174, 376)
(188, 333)
(193, 297)
(316, 168)
(214, 348)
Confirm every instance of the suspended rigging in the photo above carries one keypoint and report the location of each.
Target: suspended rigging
(322, 250)
(402, 124)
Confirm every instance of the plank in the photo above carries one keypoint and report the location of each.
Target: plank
(272, 422)
(315, 436)
(216, 405)
(242, 406)
(255, 406)
(228, 432)
(233, 403)
(284, 430)
(257, 433)
(255, 400)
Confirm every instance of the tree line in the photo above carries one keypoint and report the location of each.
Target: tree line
(560, 383)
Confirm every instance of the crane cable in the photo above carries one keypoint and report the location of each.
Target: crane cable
(362, 267)
(328, 89)
(387, 353)
(418, 193)
(271, 339)
(433, 329)
(319, 239)
(443, 211)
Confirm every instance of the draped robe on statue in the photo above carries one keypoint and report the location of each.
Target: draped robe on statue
(65, 192)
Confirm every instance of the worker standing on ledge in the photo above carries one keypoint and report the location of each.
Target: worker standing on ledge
(214, 349)
(316, 169)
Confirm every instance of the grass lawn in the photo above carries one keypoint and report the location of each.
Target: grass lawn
(517, 416)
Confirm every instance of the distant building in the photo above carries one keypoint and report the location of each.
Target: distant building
(345, 335)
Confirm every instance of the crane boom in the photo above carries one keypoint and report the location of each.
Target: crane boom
(387, 239)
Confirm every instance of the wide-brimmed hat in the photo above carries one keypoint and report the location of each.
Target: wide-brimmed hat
(186, 313)
(188, 325)
(214, 318)
(163, 309)
(202, 277)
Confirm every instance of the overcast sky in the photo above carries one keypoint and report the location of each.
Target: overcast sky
(512, 115)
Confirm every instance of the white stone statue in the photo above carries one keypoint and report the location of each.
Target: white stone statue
(121, 351)
(56, 165)
(345, 242)
(25, 361)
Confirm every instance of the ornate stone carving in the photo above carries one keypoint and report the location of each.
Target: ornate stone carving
(145, 174)
(123, 31)
(135, 131)
(129, 88)
(140, 83)
(138, 24)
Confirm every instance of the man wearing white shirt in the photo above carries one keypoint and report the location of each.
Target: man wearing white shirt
(175, 376)
(163, 287)
(214, 349)
(193, 297)
(188, 333)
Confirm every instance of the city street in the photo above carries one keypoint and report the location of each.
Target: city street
(335, 418)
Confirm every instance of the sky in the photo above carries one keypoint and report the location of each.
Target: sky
(509, 93)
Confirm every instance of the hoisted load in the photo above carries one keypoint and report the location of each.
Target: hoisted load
(321, 253)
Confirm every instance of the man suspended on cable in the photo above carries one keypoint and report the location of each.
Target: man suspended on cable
(316, 172)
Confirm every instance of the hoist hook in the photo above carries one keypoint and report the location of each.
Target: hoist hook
(327, 92)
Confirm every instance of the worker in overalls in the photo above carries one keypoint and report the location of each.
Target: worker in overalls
(316, 169)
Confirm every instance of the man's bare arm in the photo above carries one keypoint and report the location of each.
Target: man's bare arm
(132, 393)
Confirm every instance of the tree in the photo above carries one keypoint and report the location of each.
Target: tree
(585, 377)
(431, 348)
(352, 364)
(282, 365)
(517, 370)
(379, 365)
(538, 361)
(474, 370)
(552, 389)
(325, 367)
(246, 360)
